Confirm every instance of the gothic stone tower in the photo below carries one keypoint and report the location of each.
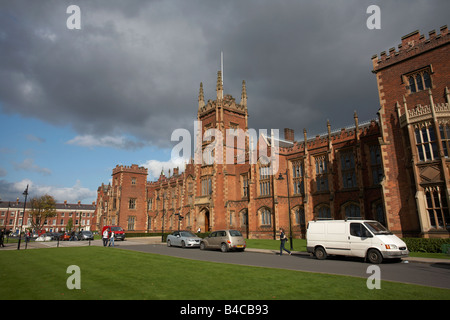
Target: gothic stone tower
(128, 206)
(415, 142)
(222, 121)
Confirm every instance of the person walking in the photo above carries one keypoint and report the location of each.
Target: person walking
(2, 235)
(111, 240)
(105, 237)
(283, 240)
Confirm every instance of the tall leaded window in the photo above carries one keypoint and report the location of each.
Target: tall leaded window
(297, 177)
(264, 181)
(437, 207)
(348, 169)
(419, 80)
(427, 148)
(352, 210)
(131, 223)
(379, 212)
(323, 212)
(132, 203)
(244, 184)
(444, 129)
(375, 164)
(299, 216)
(321, 173)
(206, 186)
(266, 217)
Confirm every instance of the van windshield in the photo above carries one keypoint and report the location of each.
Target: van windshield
(116, 229)
(376, 228)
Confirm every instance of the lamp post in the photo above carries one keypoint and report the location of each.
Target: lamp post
(280, 178)
(163, 214)
(25, 193)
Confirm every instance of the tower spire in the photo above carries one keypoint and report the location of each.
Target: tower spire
(244, 95)
(201, 97)
(219, 86)
(221, 66)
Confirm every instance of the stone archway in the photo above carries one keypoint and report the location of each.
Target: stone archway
(204, 220)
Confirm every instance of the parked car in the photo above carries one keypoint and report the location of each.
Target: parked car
(85, 235)
(119, 234)
(224, 240)
(64, 237)
(55, 235)
(183, 239)
(45, 237)
(358, 238)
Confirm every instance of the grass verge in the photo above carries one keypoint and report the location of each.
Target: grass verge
(108, 273)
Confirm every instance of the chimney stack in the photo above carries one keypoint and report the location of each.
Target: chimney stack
(289, 134)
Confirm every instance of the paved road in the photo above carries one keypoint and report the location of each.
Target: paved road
(428, 274)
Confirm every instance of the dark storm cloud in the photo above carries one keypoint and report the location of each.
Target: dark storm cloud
(134, 68)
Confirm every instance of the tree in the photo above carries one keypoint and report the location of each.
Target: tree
(42, 208)
(69, 225)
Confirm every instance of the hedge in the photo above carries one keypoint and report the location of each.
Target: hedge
(427, 245)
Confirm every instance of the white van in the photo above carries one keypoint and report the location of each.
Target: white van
(358, 238)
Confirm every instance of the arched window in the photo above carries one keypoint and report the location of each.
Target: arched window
(352, 210)
(419, 82)
(378, 212)
(299, 216)
(412, 84)
(266, 217)
(323, 212)
(427, 79)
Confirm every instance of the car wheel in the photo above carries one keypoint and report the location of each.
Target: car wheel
(168, 243)
(202, 246)
(374, 256)
(320, 253)
(183, 244)
(223, 247)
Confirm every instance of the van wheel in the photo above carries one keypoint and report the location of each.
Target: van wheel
(224, 247)
(320, 253)
(374, 256)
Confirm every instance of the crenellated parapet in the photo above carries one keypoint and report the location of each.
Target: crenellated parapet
(134, 168)
(412, 44)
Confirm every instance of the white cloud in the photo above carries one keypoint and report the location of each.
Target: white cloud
(91, 141)
(9, 191)
(29, 165)
(154, 167)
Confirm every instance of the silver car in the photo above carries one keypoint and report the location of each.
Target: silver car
(183, 239)
(224, 240)
(85, 235)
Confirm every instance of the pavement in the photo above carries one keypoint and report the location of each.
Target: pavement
(157, 241)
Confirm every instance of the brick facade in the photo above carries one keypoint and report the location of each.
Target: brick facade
(82, 215)
(370, 170)
(407, 107)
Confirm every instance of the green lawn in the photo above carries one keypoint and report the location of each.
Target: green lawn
(299, 244)
(112, 273)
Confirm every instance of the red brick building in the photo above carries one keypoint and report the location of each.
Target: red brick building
(82, 216)
(414, 98)
(392, 169)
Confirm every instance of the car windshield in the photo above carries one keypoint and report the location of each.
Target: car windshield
(235, 233)
(187, 234)
(376, 228)
(116, 229)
